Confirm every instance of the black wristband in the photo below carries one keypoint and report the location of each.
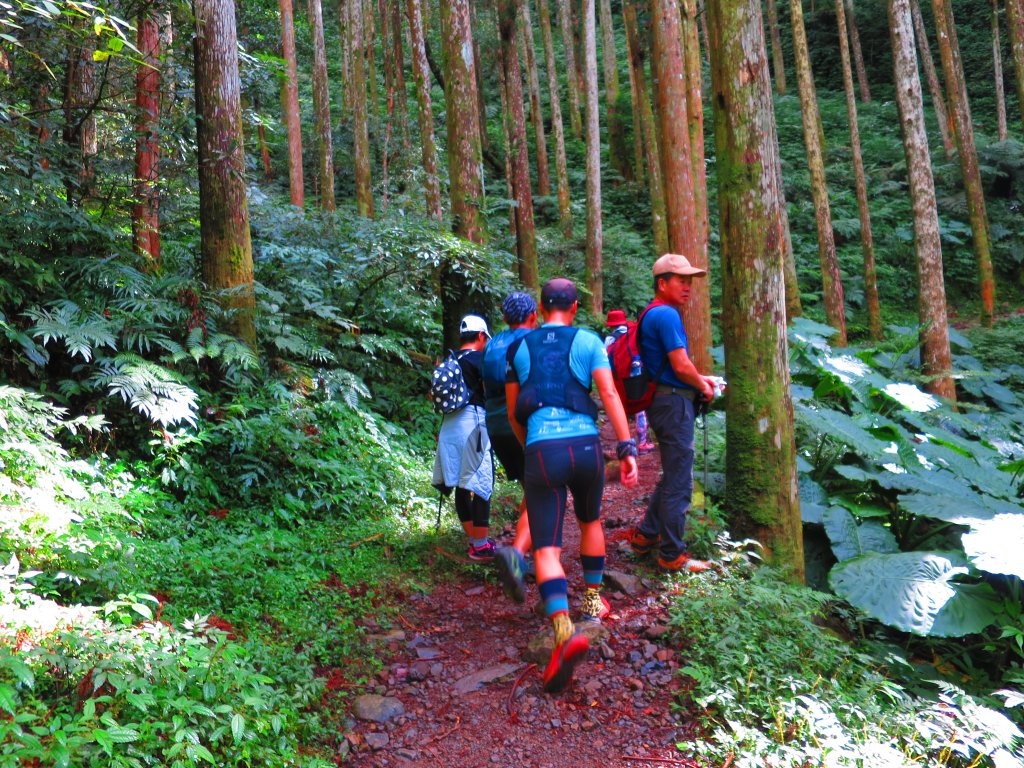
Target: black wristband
(625, 448)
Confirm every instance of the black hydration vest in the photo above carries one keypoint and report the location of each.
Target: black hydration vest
(551, 382)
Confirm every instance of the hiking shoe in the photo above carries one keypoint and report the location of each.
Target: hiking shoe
(593, 607)
(682, 563)
(511, 570)
(645, 448)
(484, 553)
(564, 659)
(640, 544)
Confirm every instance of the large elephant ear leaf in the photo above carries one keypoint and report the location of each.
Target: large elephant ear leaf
(843, 429)
(995, 545)
(850, 540)
(914, 592)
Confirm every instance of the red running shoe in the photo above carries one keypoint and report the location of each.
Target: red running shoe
(564, 659)
(682, 563)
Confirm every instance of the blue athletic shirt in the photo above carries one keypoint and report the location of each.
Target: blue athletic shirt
(494, 367)
(661, 333)
(586, 354)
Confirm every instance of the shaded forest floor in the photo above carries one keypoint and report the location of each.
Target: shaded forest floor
(461, 683)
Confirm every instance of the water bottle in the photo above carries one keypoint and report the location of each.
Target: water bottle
(636, 367)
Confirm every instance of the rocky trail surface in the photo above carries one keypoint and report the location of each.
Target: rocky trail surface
(461, 684)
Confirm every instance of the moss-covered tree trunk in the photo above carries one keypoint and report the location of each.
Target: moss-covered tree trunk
(290, 105)
(762, 497)
(778, 61)
(934, 87)
(931, 300)
(656, 188)
(226, 245)
(1015, 25)
(322, 107)
(674, 115)
(831, 282)
(518, 155)
(960, 111)
(634, 102)
(401, 92)
(558, 130)
(616, 127)
(997, 74)
(344, 38)
(80, 119)
(425, 118)
(860, 182)
(524, 28)
(595, 232)
(858, 56)
(359, 99)
(569, 66)
(146, 209)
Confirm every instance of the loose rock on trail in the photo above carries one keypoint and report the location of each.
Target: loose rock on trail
(461, 684)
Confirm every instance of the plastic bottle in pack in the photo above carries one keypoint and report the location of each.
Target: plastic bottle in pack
(636, 367)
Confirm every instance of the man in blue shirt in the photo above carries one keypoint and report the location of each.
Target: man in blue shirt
(664, 347)
(548, 392)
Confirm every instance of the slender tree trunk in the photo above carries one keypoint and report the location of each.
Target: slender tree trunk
(867, 241)
(778, 62)
(226, 245)
(370, 55)
(344, 38)
(934, 88)
(525, 27)
(80, 119)
(858, 56)
(146, 209)
(637, 57)
(595, 235)
(763, 499)
(832, 285)
(634, 101)
(402, 93)
(697, 312)
(463, 127)
(360, 110)
(428, 149)
(506, 134)
(617, 154)
(936, 362)
(794, 308)
(322, 108)
(290, 105)
(481, 98)
(569, 66)
(561, 164)
(674, 113)
(519, 160)
(1015, 23)
(997, 71)
(959, 107)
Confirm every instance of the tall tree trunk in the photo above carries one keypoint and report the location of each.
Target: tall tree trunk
(613, 118)
(360, 110)
(80, 119)
(428, 149)
(370, 55)
(595, 235)
(226, 245)
(959, 107)
(481, 98)
(506, 134)
(997, 72)
(561, 164)
(655, 185)
(402, 94)
(832, 285)
(936, 362)
(934, 88)
(867, 241)
(858, 56)
(146, 209)
(322, 107)
(464, 155)
(261, 141)
(763, 500)
(569, 66)
(1015, 23)
(698, 310)
(778, 62)
(525, 27)
(344, 38)
(526, 237)
(634, 101)
(677, 166)
(290, 105)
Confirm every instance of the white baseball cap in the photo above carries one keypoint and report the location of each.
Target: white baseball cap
(474, 323)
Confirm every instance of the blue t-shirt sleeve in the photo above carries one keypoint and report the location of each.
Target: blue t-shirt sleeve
(518, 369)
(587, 355)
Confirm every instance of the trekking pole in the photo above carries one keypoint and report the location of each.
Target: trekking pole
(704, 427)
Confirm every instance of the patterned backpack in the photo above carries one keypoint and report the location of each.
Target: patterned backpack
(448, 389)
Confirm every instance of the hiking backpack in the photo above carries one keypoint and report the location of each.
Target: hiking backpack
(448, 390)
(632, 381)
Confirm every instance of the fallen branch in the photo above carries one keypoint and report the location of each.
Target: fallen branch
(728, 761)
(666, 760)
(450, 556)
(515, 686)
(446, 734)
(355, 544)
(405, 621)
